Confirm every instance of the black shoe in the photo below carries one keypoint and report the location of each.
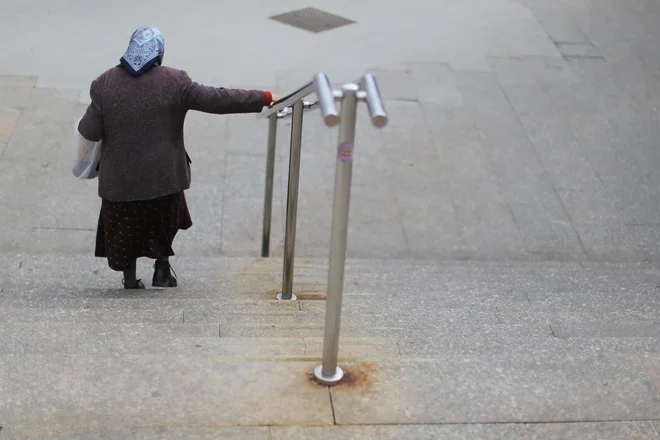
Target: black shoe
(138, 285)
(163, 275)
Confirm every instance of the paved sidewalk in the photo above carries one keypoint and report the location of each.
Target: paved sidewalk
(537, 142)
(503, 245)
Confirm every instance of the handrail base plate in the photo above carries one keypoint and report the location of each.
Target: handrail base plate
(328, 380)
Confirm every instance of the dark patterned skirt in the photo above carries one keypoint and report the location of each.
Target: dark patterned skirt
(130, 230)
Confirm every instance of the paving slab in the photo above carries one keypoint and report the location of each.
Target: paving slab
(604, 88)
(606, 330)
(481, 211)
(632, 430)
(586, 386)
(208, 163)
(158, 390)
(578, 50)
(242, 222)
(396, 85)
(83, 200)
(593, 312)
(529, 71)
(561, 28)
(646, 236)
(17, 238)
(426, 209)
(243, 203)
(606, 151)
(514, 431)
(355, 348)
(108, 309)
(63, 241)
(204, 238)
(639, 79)
(244, 176)
(541, 218)
(138, 432)
(435, 83)
(551, 137)
(17, 80)
(652, 367)
(8, 120)
(595, 216)
(15, 96)
(316, 330)
(446, 281)
(81, 337)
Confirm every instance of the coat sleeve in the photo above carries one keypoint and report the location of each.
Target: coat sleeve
(219, 100)
(91, 124)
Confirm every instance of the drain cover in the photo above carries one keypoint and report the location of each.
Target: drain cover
(312, 19)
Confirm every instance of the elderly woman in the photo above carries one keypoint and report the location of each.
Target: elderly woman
(138, 110)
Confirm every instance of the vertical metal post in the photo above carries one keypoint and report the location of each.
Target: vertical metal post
(292, 202)
(270, 175)
(329, 373)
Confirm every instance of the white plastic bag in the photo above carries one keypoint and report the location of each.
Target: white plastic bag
(87, 155)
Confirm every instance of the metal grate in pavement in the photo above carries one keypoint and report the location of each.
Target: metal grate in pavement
(312, 20)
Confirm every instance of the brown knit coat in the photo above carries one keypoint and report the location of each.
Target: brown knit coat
(140, 120)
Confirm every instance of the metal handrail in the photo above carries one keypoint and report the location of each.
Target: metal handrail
(294, 106)
(326, 99)
(365, 89)
(286, 101)
(288, 111)
(374, 100)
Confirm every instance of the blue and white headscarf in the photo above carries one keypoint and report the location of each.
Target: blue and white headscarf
(145, 50)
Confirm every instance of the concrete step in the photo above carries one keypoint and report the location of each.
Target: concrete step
(269, 322)
(554, 381)
(88, 336)
(190, 389)
(394, 277)
(452, 282)
(54, 337)
(256, 341)
(383, 299)
(141, 311)
(309, 348)
(465, 331)
(643, 430)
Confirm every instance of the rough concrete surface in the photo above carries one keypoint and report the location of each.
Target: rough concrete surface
(502, 278)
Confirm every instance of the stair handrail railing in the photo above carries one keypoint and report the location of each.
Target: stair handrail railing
(294, 105)
(365, 89)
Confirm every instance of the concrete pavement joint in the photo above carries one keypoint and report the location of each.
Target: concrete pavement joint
(332, 406)
(540, 161)
(11, 136)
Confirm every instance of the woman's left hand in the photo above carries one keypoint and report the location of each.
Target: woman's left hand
(275, 99)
